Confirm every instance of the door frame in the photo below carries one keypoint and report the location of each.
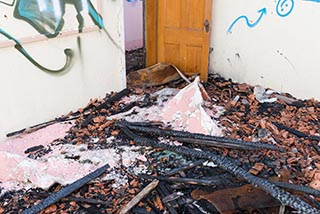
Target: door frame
(151, 31)
(150, 11)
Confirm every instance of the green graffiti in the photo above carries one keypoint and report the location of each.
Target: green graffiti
(23, 51)
(46, 16)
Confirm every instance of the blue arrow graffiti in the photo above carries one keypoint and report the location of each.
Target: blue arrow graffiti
(262, 12)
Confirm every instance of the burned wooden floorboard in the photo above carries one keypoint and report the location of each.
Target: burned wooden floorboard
(187, 137)
(225, 163)
(53, 198)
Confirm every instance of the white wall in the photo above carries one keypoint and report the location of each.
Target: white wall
(281, 51)
(30, 95)
(133, 24)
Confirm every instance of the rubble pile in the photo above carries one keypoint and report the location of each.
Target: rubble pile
(220, 147)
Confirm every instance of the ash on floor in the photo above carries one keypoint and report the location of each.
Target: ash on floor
(135, 59)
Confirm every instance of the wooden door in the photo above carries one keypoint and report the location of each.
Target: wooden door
(183, 38)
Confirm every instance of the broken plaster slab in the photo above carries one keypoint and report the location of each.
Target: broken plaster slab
(45, 136)
(181, 109)
(20, 172)
(185, 112)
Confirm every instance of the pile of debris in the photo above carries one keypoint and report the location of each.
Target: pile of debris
(220, 147)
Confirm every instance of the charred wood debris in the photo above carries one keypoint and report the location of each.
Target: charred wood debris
(264, 163)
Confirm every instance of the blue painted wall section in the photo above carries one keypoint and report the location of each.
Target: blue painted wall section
(46, 16)
(283, 8)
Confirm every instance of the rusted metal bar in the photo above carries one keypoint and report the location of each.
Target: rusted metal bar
(193, 136)
(227, 164)
(53, 198)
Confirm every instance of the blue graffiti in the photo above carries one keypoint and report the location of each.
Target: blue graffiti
(20, 48)
(284, 7)
(46, 16)
(262, 12)
(317, 1)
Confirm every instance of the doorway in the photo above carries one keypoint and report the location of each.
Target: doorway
(171, 31)
(134, 34)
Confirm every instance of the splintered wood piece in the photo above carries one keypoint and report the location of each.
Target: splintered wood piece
(257, 168)
(232, 199)
(139, 197)
(157, 74)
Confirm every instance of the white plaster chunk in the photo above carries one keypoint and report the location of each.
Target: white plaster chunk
(262, 95)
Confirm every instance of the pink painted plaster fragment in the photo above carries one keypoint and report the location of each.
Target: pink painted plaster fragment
(20, 171)
(45, 136)
(185, 112)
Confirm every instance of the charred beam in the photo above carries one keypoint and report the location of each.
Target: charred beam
(186, 167)
(296, 132)
(225, 163)
(298, 188)
(163, 192)
(193, 181)
(55, 197)
(114, 98)
(193, 136)
(215, 143)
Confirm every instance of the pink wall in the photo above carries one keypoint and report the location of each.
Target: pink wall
(133, 24)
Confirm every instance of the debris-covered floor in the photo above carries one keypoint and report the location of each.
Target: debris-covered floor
(258, 152)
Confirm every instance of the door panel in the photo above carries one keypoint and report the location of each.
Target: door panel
(193, 61)
(172, 50)
(182, 36)
(195, 17)
(172, 14)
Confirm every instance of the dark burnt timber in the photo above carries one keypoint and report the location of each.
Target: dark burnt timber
(163, 192)
(215, 143)
(297, 188)
(108, 103)
(187, 137)
(227, 164)
(185, 167)
(53, 198)
(296, 132)
(193, 181)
